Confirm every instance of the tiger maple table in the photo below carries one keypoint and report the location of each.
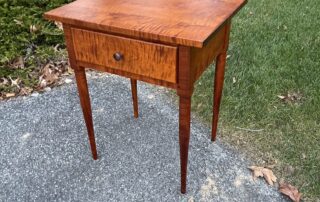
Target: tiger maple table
(163, 42)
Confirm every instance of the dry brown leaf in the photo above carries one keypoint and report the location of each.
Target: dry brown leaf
(42, 83)
(25, 91)
(18, 22)
(291, 97)
(269, 176)
(70, 70)
(271, 166)
(3, 81)
(15, 82)
(33, 29)
(59, 25)
(281, 97)
(49, 75)
(291, 191)
(56, 48)
(263, 172)
(256, 171)
(234, 80)
(8, 95)
(18, 62)
(68, 80)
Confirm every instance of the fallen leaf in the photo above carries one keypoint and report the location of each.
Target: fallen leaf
(25, 91)
(269, 176)
(18, 22)
(291, 97)
(18, 63)
(271, 166)
(68, 81)
(257, 171)
(263, 172)
(15, 82)
(42, 83)
(56, 48)
(59, 25)
(70, 70)
(199, 105)
(290, 191)
(35, 94)
(49, 75)
(281, 97)
(33, 29)
(47, 89)
(8, 95)
(234, 80)
(3, 81)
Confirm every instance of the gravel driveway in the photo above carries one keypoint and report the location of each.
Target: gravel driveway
(45, 155)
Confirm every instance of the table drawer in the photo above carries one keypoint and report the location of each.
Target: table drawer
(129, 55)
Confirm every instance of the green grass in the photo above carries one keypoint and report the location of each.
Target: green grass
(274, 49)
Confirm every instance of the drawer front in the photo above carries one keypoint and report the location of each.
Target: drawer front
(142, 58)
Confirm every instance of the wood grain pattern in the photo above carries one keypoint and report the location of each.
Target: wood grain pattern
(185, 90)
(82, 89)
(134, 97)
(180, 22)
(201, 58)
(80, 75)
(70, 48)
(128, 75)
(218, 80)
(184, 138)
(141, 58)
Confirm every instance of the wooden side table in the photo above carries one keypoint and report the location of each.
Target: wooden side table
(163, 42)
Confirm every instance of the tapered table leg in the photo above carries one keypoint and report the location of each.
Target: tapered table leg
(184, 137)
(86, 107)
(184, 91)
(134, 97)
(218, 86)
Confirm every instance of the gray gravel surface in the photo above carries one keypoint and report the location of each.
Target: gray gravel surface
(45, 156)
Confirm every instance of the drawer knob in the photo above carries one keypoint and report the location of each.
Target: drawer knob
(118, 56)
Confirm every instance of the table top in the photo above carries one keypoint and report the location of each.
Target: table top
(181, 22)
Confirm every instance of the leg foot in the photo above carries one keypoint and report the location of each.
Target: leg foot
(134, 97)
(184, 136)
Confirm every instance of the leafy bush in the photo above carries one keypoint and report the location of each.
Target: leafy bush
(26, 36)
(16, 19)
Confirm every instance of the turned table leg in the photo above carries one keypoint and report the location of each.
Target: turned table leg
(86, 107)
(134, 97)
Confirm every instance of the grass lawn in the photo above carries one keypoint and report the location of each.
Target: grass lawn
(274, 50)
